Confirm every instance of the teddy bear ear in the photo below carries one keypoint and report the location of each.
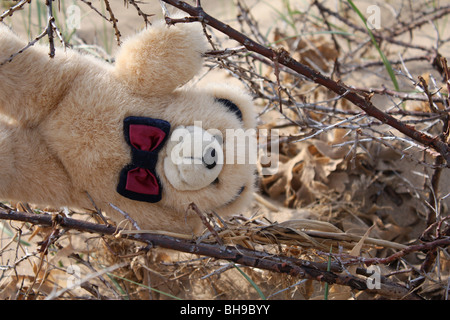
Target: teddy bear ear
(161, 58)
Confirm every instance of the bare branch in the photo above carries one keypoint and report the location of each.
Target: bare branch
(339, 88)
(252, 258)
(113, 20)
(10, 11)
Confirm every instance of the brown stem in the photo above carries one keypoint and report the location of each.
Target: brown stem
(339, 88)
(50, 35)
(244, 256)
(427, 246)
(113, 21)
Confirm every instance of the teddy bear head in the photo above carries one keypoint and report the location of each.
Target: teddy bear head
(200, 145)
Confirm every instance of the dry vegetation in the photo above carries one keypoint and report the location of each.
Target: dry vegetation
(362, 189)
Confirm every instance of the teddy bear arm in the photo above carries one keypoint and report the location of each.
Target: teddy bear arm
(29, 171)
(161, 58)
(31, 83)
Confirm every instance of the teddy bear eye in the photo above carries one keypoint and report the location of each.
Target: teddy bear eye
(232, 107)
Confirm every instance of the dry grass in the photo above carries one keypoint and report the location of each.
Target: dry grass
(350, 189)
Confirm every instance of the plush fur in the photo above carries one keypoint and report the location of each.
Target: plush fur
(61, 126)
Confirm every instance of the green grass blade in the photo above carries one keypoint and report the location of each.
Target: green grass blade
(144, 286)
(40, 14)
(5, 229)
(261, 294)
(386, 62)
(118, 287)
(287, 18)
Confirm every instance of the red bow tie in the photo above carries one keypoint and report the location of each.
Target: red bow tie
(138, 180)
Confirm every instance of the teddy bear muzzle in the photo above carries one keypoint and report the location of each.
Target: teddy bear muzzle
(194, 158)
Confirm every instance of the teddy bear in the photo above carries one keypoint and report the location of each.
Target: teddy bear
(134, 135)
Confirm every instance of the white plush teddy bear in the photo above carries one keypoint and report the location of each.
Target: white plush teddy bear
(74, 128)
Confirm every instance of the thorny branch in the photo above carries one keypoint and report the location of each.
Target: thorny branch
(360, 97)
(49, 30)
(113, 20)
(361, 101)
(11, 10)
(252, 258)
(284, 61)
(50, 25)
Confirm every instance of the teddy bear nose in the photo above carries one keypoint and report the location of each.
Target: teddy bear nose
(209, 159)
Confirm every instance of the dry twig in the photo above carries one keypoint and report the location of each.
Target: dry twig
(257, 259)
(363, 102)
